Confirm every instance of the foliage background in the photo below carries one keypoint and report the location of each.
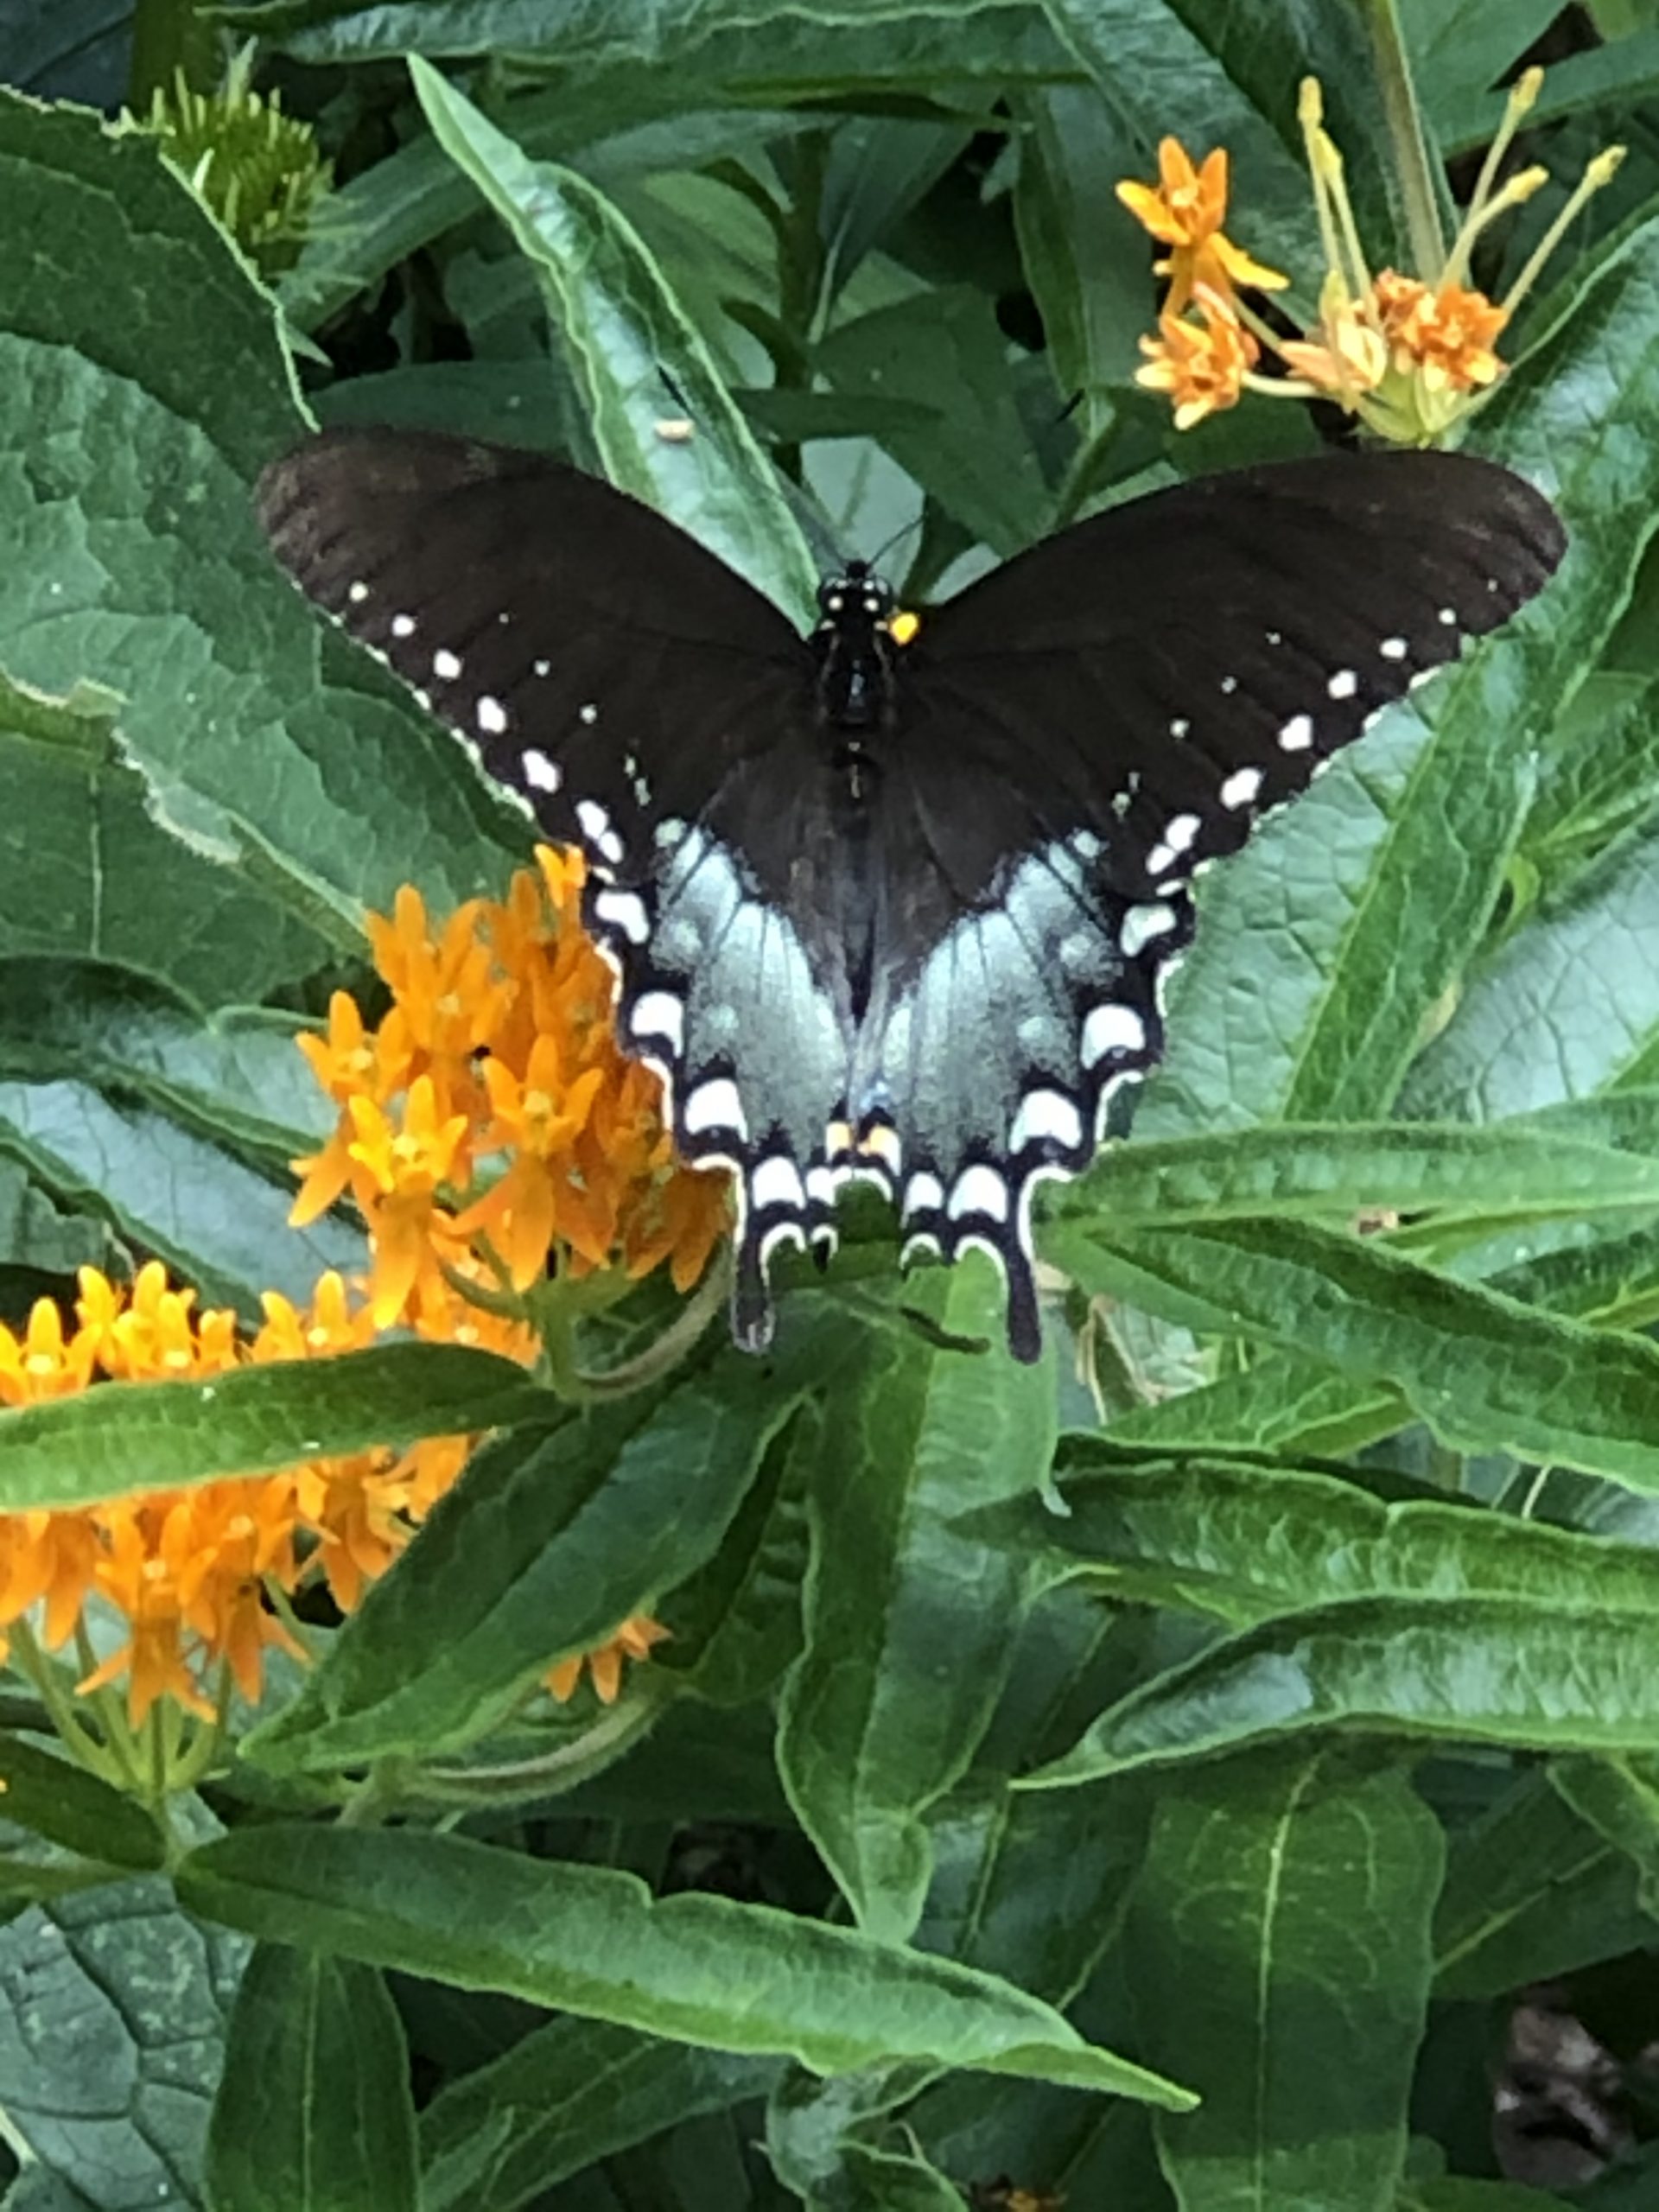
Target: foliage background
(1270, 1719)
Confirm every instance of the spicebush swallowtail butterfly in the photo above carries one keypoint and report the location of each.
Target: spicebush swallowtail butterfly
(902, 911)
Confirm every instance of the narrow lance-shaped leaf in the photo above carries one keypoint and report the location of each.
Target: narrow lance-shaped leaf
(637, 356)
(585, 1939)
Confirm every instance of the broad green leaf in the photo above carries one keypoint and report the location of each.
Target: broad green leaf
(48, 1794)
(1279, 1943)
(700, 1969)
(635, 356)
(66, 49)
(313, 2113)
(1565, 1005)
(1485, 1670)
(945, 350)
(743, 46)
(217, 1223)
(1619, 1799)
(144, 386)
(565, 2096)
(1532, 1890)
(1085, 260)
(735, 1625)
(908, 1623)
(41, 1237)
(553, 1540)
(1486, 1371)
(1454, 2193)
(121, 1437)
(111, 2041)
(1460, 49)
(237, 1076)
(1540, 1168)
(1242, 1542)
(88, 874)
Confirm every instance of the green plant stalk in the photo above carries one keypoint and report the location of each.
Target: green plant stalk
(169, 37)
(1406, 130)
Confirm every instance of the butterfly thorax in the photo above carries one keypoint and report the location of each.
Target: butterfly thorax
(854, 656)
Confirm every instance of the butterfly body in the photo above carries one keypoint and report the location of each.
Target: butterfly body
(902, 911)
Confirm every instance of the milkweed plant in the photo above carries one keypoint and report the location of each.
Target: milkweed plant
(470, 1735)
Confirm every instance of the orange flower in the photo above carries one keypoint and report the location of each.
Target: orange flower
(1201, 367)
(1184, 211)
(1447, 335)
(633, 1640)
(43, 1363)
(1408, 354)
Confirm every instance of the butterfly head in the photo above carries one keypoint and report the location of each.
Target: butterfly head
(855, 601)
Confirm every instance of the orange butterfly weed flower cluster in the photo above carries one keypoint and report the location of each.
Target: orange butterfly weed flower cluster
(1408, 354)
(498, 1052)
(491, 1118)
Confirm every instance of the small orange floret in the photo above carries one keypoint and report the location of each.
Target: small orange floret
(1447, 335)
(1184, 211)
(633, 1640)
(1201, 366)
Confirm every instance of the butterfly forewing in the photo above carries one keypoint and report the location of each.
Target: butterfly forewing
(926, 940)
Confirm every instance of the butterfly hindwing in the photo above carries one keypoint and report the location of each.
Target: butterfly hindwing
(903, 913)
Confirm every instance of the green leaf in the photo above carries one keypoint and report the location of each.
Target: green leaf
(565, 2096)
(216, 1222)
(1568, 1005)
(120, 1437)
(313, 2112)
(55, 1799)
(37, 1235)
(133, 438)
(1279, 1943)
(1482, 1370)
(1532, 1890)
(238, 1075)
(1242, 1541)
(908, 1623)
(635, 356)
(88, 872)
(111, 2041)
(945, 350)
(1472, 1669)
(701, 1969)
(551, 1543)
(1557, 1165)
(708, 41)
(1619, 1799)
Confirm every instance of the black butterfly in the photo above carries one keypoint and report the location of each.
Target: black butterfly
(893, 911)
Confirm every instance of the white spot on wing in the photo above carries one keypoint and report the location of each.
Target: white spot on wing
(492, 716)
(659, 1014)
(624, 911)
(1141, 924)
(1344, 684)
(1046, 1114)
(1297, 734)
(540, 773)
(777, 1182)
(596, 827)
(1180, 830)
(924, 1193)
(979, 1189)
(1240, 788)
(588, 713)
(357, 593)
(403, 625)
(1394, 648)
(446, 665)
(716, 1105)
(1112, 1028)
